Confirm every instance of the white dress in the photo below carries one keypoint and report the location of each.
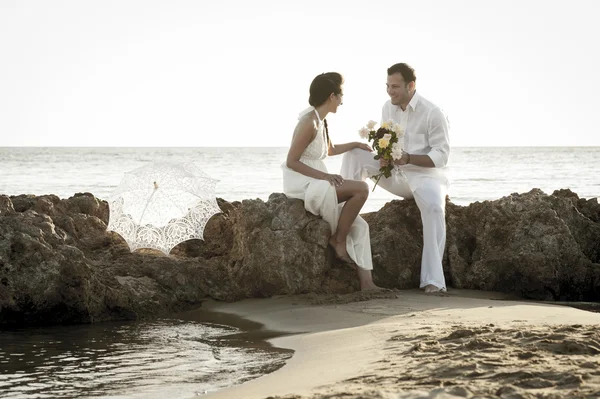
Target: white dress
(320, 197)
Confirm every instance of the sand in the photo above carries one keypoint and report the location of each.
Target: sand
(408, 344)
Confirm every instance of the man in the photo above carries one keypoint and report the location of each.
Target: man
(420, 173)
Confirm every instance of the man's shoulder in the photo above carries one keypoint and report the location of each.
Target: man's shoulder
(426, 103)
(387, 104)
(431, 107)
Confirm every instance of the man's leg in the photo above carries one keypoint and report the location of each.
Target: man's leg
(359, 164)
(431, 199)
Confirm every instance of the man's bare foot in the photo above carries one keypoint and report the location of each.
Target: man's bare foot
(430, 288)
(340, 251)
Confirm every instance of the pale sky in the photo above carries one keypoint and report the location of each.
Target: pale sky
(236, 72)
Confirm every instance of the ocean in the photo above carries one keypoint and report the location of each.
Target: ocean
(176, 357)
(183, 356)
(476, 174)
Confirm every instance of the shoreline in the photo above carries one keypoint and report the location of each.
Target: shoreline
(177, 356)
(342, 341)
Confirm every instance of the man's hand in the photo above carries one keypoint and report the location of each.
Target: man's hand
(403, 159)
(364, 146)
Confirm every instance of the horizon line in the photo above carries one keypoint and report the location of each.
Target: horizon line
(266, 146)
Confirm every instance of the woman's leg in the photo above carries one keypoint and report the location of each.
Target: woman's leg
(366, 280)
(354, 193)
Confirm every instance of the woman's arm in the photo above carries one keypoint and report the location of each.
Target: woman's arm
(337, 149)
(305, 133)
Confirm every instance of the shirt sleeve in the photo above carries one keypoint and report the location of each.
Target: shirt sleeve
(439, 141)
(385, 114)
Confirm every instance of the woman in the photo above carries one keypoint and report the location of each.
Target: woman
(305, 177)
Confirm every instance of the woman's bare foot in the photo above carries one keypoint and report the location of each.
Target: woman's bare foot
(366, 281)
(372, 287)
(340, 250)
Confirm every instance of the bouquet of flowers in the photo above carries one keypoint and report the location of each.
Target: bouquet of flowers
(385, 143)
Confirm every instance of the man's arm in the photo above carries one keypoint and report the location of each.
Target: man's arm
(437, 127)
(439, 140)
(385, 114)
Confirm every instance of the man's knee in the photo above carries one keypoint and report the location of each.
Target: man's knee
(349, 154)
(360, 154)
(431, 207)
(436, 209)
(352, 156)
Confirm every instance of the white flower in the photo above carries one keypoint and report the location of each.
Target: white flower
(363, 133)
(398, 129)
(396, 151)
(371, 125)
(387, 136)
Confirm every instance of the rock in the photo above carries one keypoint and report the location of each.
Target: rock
(6, 205)
(536, 245)
(278, 248)
(58, 264)
(396, 244)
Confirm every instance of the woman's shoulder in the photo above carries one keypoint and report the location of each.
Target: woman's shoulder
(308, 121)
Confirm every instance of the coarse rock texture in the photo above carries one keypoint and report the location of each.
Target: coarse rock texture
(58, 263)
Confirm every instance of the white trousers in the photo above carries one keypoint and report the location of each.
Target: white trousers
(430, 197)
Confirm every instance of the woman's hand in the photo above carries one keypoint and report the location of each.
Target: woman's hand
(334, 180)
(364, 146)
(383, 162)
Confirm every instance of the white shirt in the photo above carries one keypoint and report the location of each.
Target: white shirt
(425, 133)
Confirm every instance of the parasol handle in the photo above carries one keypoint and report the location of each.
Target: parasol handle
(148, 203)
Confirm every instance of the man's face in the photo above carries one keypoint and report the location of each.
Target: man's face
(397, 89)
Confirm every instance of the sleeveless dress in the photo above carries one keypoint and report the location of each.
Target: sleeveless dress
(320, 197)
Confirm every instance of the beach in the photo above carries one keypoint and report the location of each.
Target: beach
(394, 344)
(407, 344)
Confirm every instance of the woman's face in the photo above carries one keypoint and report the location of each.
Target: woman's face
(337, 100)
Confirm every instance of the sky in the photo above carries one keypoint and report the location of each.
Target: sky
(236, 72)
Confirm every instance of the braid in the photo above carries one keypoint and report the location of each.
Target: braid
(327, 132)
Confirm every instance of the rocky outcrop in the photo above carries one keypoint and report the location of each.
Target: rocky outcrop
(58, 264)
(535, 245)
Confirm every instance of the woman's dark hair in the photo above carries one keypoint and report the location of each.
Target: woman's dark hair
(323, 85)
(321, 88)
(407, 72)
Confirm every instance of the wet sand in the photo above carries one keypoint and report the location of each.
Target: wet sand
(407, 344)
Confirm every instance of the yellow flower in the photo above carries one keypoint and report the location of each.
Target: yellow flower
(385, 125)
(383, 143)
